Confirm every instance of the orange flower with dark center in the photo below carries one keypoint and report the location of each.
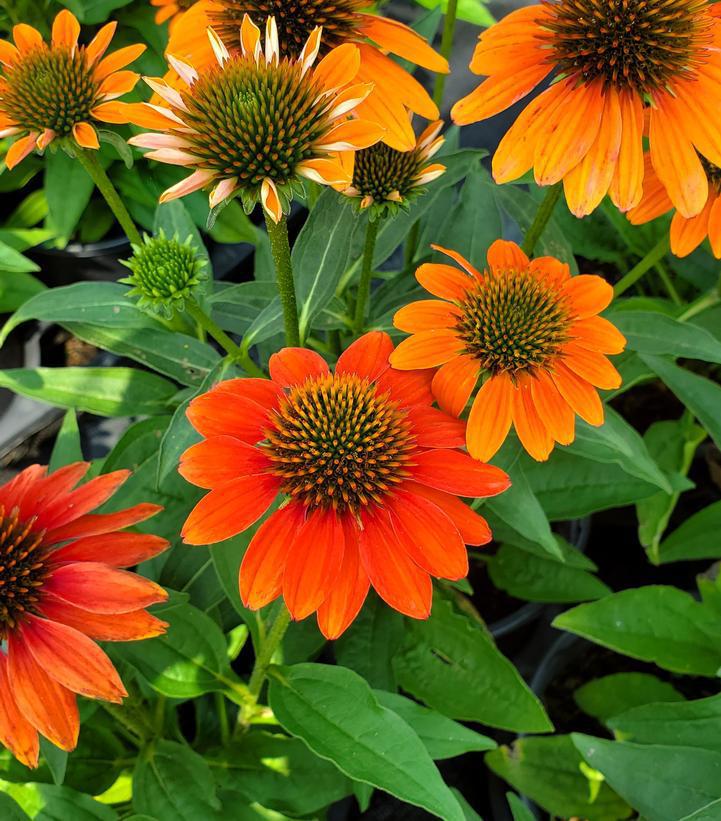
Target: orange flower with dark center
(530, 329)
(61, 590)
(255, 123)
(395, 91)
(170, 9)
(369, 474)
(612, 61)
(686, 234)
(56, 91)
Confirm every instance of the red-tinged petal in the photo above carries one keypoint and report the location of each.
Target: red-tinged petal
(529, 426)
(294, 366)
(264, 392)
(556, 414)
(428, 536)
(367, 357)
(347, 595)
(434, 429)
(71, 506)
(395, 576)
(407, 388)
(453, 383)
(47, 705)
(473, 528)
(588, 294)
(217, 414)
(115, 549)
(230, 509)
(25, 483)
(427, 350)
(313, 562)
(507, 256)
(579, 394)
(102, 589)
(133, 626)
(72, 659)
(94, 524)
(456, 472)
(16, 732)
(263, 565)
(220, 459)
(490, 417)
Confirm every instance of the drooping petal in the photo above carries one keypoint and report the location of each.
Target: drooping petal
(529, 425)
(401, 40)
(592, 366)
(555, 412)
(456, 472)
(579, 394)
(16, 732)
(627, 184)
(598, 334)
(490, 417)
(20, 149)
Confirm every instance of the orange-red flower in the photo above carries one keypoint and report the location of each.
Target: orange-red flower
(60, 589)
(609, 60)
(55, 91)
(530, 329)
(255, 123)
(395, 91)
(686, 233)
(170, 9)
(369, 474)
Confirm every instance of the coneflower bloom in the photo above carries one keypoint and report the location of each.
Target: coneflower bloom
(686, 233)
(530, 329)
(61, 590)
(613, 61)
(384, 178)
(395, 91)
(255, 123)
(170, 9)
(369, 476)
(56, 91)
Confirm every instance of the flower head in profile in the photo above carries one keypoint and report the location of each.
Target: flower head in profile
(61, 590)
(256, 123)
(529, 329)
(686, 233)
(394, 92)
(613, 62)
(56, 91)
(385, 179)
(170, 9)
(165, 273)
(369, 476)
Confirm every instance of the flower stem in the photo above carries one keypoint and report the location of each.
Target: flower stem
(91, 163)
(280, 248)
(364, 286)
(222, 713)
(222, 338)
(449, 30)
(702, 304)
(652, 258)
(542, 218)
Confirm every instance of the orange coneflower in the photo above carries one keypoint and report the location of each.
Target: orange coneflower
(384, 177)
(609, 58)
(50, 92)
(529, 328)
(686, 233)
(255, 123)
(60, 589)
(368, 471)
(395, 91)
(170, 9)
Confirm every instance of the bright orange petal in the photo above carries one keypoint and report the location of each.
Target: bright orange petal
(218, 414)
(85, 136)
(627, 184)
(20, 149)
(93, 524)
(367, 357)
(338, 68)
(294, 366)
(436, 429)
(27, 38)
(115, 549)
(399, 39)
(16, 732)
(99, 44)
(473, 528)
(426, 350)
(714, 230)
(117, 60)
(555, 413)
(407, 388)
(598, 334)
(688, 234)
(592, 366)
(456, 472)
(504, 256)
(220, 459)
(453, 383)
(490, 417)
(444, 281)
(528, 424)
(579, 394)
(588, 294)
(426, 315)
(350, 135)
(66, 30)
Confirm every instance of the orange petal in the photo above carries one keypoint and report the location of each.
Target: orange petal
(426, 350)
(555, 413)
(389, 113)
(220, 459)
(133, 626)
(591, 366)
(93, 524)
(367, 357)
(444, 281)
(588, 294)
(395, 576)
(579, 394)
(261, 571)
(435, 429)
(350, 135)
(394, 83)
(99, 44)
(598, 334)
(407, 388)
(455, 472)
(119, 83)
(72, 659)
(66, 30)
(230, 509)
(453, 383)
(504, 256)
(338, 68)
(117, 60)
(218, 414)
(313, 562)
(426, 315)
(688, 234)
(8, 53)
(85, 136)
(294, 366)
(27, 38)
(48, 706)
(20, 149)
(627, 184)
(714, 230)
(270, 200)
(528, 424)
(115, 549)
(490, 417)
(263, 392)
(473, 528)
(401, 40)
(16, 732)
(460, 260)
(68, 507)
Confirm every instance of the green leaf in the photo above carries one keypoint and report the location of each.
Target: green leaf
(335, 712)
(174, 220)
(700, 395)
(64, 804)
(519, 810)
(711, 812)
(662, 783)
(656, 623)
(453, 666)
(547, 770)
(676, 724)
(93, 11)
(472, 11)
(650, 332)
(699, 537)
(320, 254)
(617, 442)
(267, 323)
(56, 759)
(442, 737)
(541, 579)
(68, 186)
(104, 391)
(10, 810)
(236, 307)
(171, 782)
(611, 695)
(371, 642)
(16, 289)
(67, 445)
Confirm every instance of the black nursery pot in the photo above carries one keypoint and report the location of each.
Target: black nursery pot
(96, 261)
